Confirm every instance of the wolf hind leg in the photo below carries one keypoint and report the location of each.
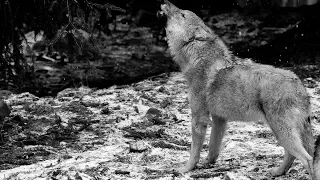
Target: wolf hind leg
(289, 134)
(308, 143)
(285, 166)
(217, 132)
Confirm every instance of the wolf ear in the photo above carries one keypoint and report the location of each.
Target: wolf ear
(203, 33)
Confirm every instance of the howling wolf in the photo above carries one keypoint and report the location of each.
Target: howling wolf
(229, 88)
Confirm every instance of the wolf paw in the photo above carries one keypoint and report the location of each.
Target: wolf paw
(276, 172)
(184, 169)
(210, 161)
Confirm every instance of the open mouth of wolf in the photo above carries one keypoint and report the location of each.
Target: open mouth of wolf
(166, 9)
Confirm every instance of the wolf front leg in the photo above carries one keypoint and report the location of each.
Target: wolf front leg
(219, 125)
(200, 119)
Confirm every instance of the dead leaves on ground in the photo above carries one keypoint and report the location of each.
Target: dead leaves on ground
(137, 131)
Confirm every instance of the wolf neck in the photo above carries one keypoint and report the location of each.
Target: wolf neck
(196, 56)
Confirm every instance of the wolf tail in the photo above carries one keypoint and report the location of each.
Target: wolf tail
(316, 160)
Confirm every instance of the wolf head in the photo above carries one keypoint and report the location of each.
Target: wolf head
(182, 25)
(188, 37)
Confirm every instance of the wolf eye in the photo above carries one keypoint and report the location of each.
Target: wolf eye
(182, 15)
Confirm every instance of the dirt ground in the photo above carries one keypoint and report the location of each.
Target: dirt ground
(138, 131)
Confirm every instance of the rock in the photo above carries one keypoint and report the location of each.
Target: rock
(154, 115)
(166, 102)
(293, 171)
(117, 107)
(162, 89)
(138, 146)
(89, 101)
(105, 110)
(118, 171)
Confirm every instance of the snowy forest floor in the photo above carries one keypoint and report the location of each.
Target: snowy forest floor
(138, 131)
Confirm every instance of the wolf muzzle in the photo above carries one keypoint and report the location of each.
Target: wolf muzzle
(167, 9)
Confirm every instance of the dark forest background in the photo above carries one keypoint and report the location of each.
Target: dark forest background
(78, 39)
